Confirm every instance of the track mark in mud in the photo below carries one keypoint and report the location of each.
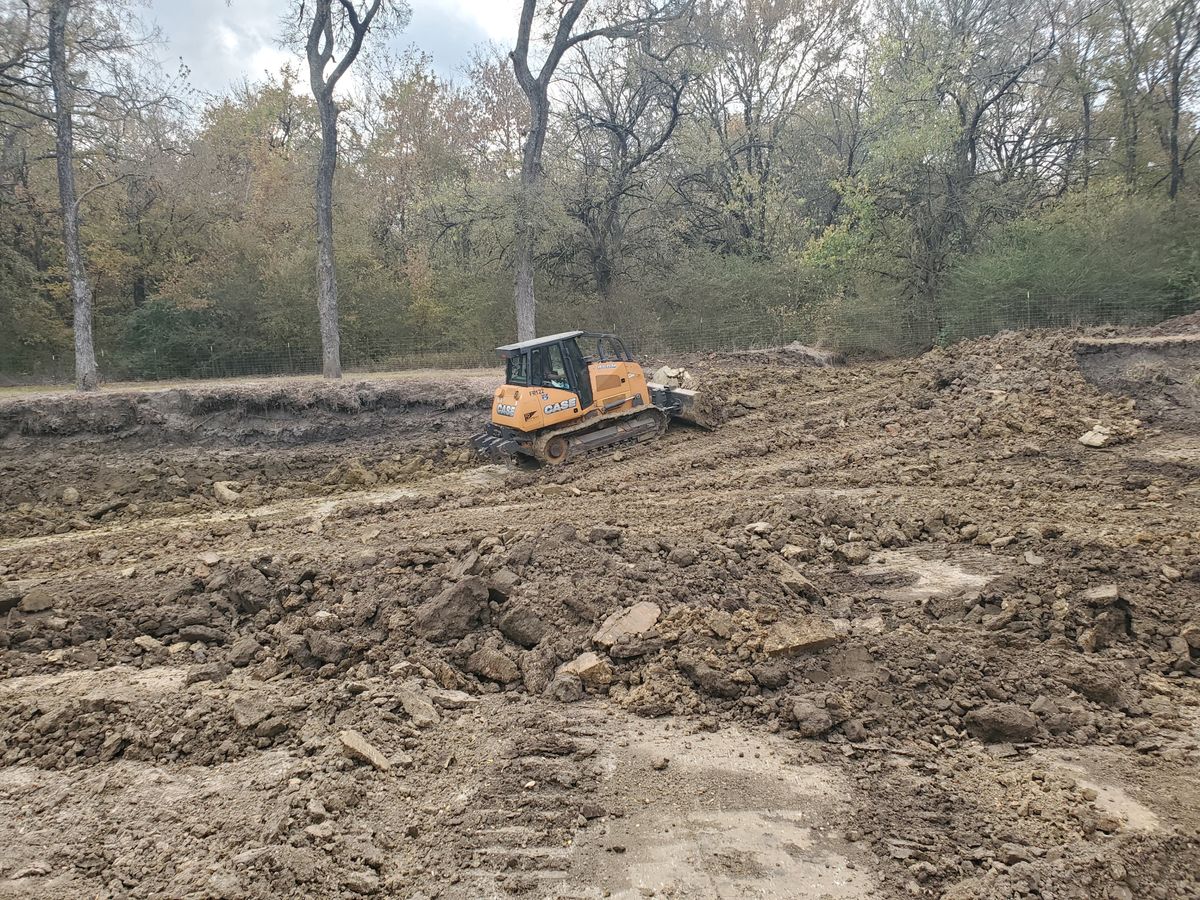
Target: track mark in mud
(315, 509)
(732, 814)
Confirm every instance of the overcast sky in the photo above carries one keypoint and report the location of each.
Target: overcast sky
(223, 43)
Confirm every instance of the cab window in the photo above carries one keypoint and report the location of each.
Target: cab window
(555, 374)
(518, 369)
(610, 350)
(549, 368)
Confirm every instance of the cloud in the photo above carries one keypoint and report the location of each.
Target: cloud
(225, 43)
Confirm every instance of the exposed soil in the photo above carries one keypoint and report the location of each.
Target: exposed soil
(891, 630)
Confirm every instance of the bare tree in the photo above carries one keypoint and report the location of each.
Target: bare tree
(87, 377)
(106, 41)
(1182, 26)
(622, 23)
(19, 48)
(30, 67)
(623, 105)
(768, 58)
(346, 23)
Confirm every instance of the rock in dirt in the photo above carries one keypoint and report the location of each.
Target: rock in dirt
(523, 626)
(1102, 595)
(102, 509)
(670, 376)
(565, 688)
(590, 668)
(1109, 626)
(249, 711)
(208, 672)
(451, 699)
(801, 636)
(493, 665)
(149, 644)
(1099, 436)
(854, 553)
(201, 634)
(709, 679)
(560, 490)
(326, 647)
(630, 647)
(682, 557)
(1097, 686)
(796, 584)
(771, 674)
(453, 612)
(358, 748)
(1191, 635)
(997, 722)
(419, 707)
(604, 534)
(36, 600)
(811, 720)
(10, 596)
(537, 668)
(503, 583)
(70, 496)
(361, 882)
(243, 651)
(225, 493)
(633, 622)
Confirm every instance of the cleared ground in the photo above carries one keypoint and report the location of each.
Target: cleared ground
(888, 631)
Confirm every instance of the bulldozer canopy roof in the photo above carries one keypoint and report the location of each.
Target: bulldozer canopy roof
(522, 346)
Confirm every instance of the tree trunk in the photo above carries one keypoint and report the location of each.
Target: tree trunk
(327, 298)
(523, 289)
(1173, 143)
(527, 204)
(87, 377)
(1087, 140)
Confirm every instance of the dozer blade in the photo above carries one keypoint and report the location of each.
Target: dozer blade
(680, 403)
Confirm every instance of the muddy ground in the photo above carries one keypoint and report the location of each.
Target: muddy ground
(890, 630)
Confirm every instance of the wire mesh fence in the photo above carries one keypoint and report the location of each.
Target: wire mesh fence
(858, 328)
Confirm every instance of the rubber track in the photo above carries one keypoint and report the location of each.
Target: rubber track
(539, 445)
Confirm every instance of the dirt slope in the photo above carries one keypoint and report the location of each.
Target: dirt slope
(891, 630)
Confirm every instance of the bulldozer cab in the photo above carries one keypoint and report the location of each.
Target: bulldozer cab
(557, 361)
(570, 393)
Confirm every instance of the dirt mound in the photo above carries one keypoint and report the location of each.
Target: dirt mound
(1186, 324)
(903, 598)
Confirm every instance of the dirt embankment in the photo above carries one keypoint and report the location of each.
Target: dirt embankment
(890, 631)
(73, 462)
(1157, 367)
(282, 411)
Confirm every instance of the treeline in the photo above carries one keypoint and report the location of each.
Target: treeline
(877, 176)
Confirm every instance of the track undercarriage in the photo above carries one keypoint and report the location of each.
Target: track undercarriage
(555, 446)
(560, 444)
